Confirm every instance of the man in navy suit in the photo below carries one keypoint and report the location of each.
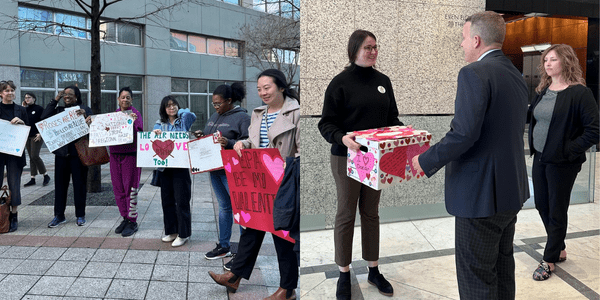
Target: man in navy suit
(486, 180)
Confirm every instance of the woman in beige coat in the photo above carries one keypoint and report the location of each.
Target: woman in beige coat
(274, 125)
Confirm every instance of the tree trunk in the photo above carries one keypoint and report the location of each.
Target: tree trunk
(94, 174)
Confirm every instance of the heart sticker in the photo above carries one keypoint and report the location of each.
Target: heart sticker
(235, 161)
(163, 149)
(245, 216)
(228, 167)
(394, 162)
(237, 217)
(275, 167)
(412, 151)
(285, 233)
(364, 164)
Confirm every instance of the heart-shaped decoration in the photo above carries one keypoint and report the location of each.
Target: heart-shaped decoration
(412, 151)
(382, 145)
(351, 154)
(245, 216)
(285, 233)
(227, 167)
(390, 180)
(394, 162)
(237, 217)
(275, 167)
(396, 143)
(163, 149)
(368, 175)
(419, 139)
(364, 164)
(349, 170)
(383, 180)
(235, 161)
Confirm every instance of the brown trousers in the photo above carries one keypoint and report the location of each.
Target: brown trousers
(349, 192)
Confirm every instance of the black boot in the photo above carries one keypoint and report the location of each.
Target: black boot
(30, 183)
(14, 222)
(375, 278)
(344, 287)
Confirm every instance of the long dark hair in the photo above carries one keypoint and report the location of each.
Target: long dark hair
(77, 94)
(235, 92)
(357, 38)
(162, 111)
(281, 82)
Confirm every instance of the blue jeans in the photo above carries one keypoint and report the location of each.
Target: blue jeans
(219, 184)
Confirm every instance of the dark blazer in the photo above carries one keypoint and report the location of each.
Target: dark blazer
(21, 113)
(573, 129)
(484, 150)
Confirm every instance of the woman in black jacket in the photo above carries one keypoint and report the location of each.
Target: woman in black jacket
(34, 141)
(15, 114)
(67, 163)
(563, 125)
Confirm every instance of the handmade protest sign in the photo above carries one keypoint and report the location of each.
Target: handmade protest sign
(110, 129)
(254, 180)
(205, 154)
(167, 150)
(13, 138)
(62, 128)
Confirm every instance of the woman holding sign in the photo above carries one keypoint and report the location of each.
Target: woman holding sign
(232, 122)
(175, 183)
(358, 98)
(15, 114)
(67, 163)
(274, 125)
(124, 174)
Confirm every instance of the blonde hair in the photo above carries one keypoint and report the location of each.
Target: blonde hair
(571, 70)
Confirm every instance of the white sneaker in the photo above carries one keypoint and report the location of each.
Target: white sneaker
(179, 241)
(169, 238)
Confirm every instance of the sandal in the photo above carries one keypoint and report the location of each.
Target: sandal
(542, 272)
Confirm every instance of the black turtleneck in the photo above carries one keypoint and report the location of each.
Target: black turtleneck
(8, 111)
(357, 99)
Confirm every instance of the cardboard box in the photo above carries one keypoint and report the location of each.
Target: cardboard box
(388, 159)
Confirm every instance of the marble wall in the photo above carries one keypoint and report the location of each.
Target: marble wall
(420, 52)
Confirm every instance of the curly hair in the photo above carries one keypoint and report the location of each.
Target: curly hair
(571, 70)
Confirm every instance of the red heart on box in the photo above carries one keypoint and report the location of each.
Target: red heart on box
(163, 149)
(412, 151)
(390, 180)
(394, 162)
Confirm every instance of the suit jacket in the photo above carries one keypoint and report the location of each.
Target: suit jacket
(283, 134)
(484, 150)
(21, 113)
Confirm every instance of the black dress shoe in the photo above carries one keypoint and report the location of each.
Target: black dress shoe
(46, 180)
(14, 222)
(30, 183)
(344, 287)
(384, 286)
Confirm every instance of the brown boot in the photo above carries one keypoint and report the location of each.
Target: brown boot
(223, 279)
(280, 295)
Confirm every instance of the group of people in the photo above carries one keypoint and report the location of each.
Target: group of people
(486, 178)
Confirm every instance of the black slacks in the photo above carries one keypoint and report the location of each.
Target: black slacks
(485, 265)
(552, 185)
(175, 196)
(65, 167)
(249, 246)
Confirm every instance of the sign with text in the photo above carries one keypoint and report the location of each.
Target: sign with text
(111, 129)
(254, 180)
(62, 128)
(167, 150)
(13, 138)
(205, 154)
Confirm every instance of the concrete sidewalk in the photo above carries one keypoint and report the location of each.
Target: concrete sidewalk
(92, 262)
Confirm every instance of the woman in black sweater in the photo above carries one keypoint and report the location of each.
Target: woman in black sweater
(563, 125)
(34, 141)
(358, 98)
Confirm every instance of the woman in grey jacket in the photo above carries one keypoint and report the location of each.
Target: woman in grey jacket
(563, 125)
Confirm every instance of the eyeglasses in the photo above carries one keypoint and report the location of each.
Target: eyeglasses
(371, 48)
(217, 105)
(174, 106)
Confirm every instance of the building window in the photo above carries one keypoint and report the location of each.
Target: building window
(236, 2)
(58, 23)
(204, 45)
(196, 94)
(283, 8)
(282, 56)
(46, 84)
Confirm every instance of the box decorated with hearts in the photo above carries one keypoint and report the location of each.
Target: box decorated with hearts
(387, 160)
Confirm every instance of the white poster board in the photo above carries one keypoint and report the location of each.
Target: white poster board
(205, 154)
(167, 150)
(13, 138)
(62, 128)
(111, 129)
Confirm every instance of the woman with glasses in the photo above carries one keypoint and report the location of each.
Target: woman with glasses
(175, 183)
(232, 122)
(274, 125)
(15, 114)
(358, 98)
(124, 174)
(67, 163)
(34, 142)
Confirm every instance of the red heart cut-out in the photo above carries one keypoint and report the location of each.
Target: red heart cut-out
(394, 162)
(163, 148)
